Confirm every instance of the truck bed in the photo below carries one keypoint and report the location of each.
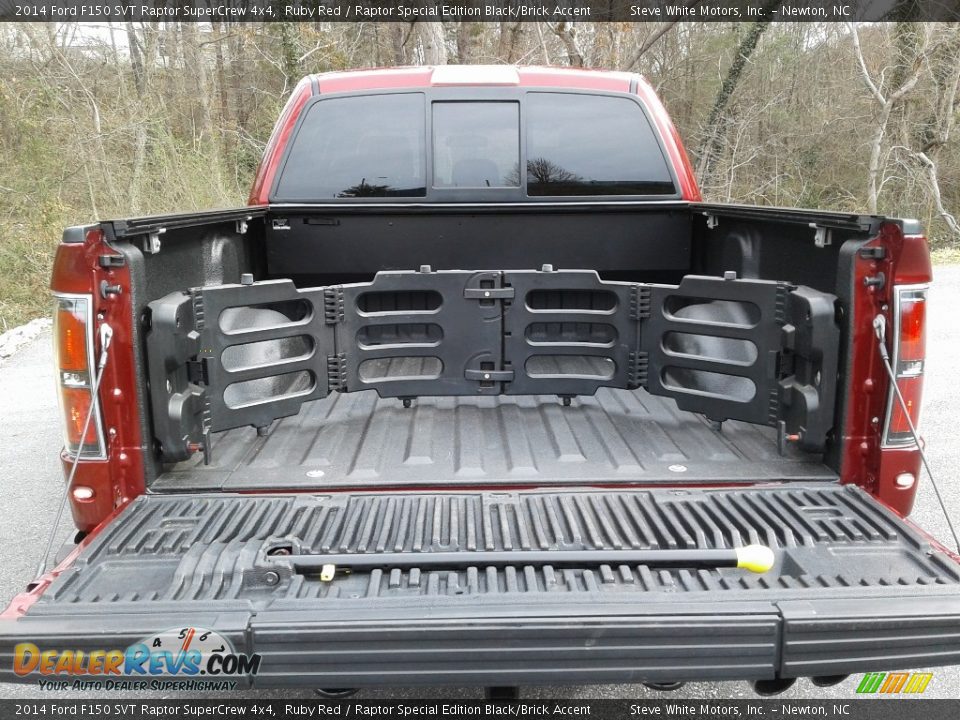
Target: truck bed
(355, 439)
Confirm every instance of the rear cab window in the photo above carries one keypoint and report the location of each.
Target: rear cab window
(356, 147)
(439, 146)
(476, 144)
(592, 145)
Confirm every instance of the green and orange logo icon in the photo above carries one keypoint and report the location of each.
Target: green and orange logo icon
(894, 683)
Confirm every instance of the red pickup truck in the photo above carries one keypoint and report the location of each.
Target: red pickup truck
(477, 390)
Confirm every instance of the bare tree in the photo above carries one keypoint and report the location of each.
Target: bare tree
(223, 90)
(567, 33)
(887, 103)
(944, 63)
(652, 39)
(194, 62)
(714, 137)
(511, 38)
(469, 42)
(137, 60)
(433, 42)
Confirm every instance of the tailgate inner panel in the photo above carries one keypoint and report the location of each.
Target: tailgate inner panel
(230, 549)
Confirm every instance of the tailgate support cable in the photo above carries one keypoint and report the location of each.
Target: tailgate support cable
(880, 330)
(106, 335)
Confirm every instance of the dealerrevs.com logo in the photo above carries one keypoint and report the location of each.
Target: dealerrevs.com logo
(894, 683)
(181, 658)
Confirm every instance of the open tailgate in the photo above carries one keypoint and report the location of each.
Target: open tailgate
(853, 588)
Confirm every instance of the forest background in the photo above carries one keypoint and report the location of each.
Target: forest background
(125, 119)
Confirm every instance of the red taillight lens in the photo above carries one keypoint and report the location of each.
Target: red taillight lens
(913, 314)
(76, 405)
(912, 390)
(73, 350)
(909, 353)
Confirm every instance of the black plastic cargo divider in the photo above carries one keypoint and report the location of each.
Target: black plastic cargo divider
(760, 351)
(420, 333)
(236, 355)
(190, 332)
(695, 369)
(569, 333)
(281, 300)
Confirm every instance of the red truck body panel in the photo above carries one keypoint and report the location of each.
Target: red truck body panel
(865, 461)
(120, 476)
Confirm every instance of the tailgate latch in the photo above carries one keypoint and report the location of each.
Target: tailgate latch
(491, 376)
(493, 293)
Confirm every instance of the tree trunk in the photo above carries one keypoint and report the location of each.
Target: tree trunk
(433, 42)
(905, 83)
(469, 41)
(398, 37)
(503, 39)
(568, 36)
(195, 66)
(714, 139)
(873, 166)
(223, 91)
(933, 181)
(511, 35)
(136, 61)
(238, 70)
(289, 54)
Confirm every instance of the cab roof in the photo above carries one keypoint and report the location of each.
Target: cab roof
(473, 76)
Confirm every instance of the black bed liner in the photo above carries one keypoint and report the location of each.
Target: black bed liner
(854, 588)
(615, 436)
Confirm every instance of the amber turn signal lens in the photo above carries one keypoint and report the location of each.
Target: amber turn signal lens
(70, 335)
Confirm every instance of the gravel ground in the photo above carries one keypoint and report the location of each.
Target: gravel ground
(30, 485)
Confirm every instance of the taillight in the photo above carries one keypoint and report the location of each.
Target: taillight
(73, 354)
(909, 353)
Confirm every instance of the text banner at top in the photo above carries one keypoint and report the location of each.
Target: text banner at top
(478, 10)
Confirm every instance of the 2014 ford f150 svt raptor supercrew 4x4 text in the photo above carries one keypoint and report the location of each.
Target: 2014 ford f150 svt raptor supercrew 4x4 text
(477, 390)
